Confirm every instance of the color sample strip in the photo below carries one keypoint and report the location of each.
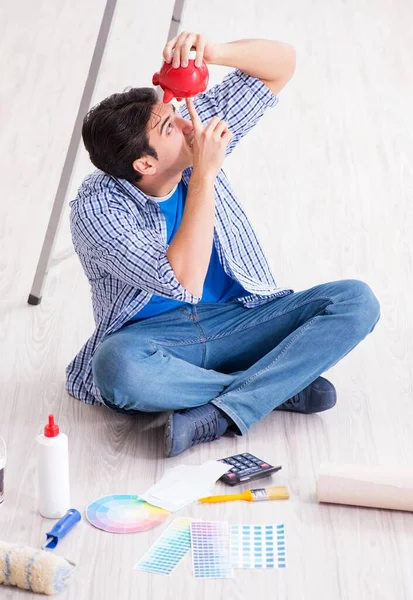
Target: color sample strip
(211, 557)
(168, 551)
(258, 546)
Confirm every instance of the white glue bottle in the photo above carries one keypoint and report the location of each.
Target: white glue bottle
(53, 469)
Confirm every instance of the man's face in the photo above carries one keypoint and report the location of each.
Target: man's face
(172, 138)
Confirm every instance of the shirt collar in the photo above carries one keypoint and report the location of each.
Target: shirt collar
(164, 198)
(136, 194)
(131, 190)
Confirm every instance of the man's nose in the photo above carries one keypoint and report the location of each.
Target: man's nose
(186, 126)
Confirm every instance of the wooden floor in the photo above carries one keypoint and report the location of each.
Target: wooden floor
(327, 178)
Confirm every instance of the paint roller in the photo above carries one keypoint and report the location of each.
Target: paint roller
(33, 569)
(37, 570)
(362, 485)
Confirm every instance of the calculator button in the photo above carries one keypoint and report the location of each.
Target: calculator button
(264, 465)
(231, 475)
(233, 469)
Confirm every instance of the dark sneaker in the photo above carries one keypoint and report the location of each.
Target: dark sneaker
(192, 426)
(316, 397)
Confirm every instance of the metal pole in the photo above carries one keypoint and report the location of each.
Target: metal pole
(176, 20)
(44, 263)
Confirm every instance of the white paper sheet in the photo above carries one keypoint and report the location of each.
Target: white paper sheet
(184, 484)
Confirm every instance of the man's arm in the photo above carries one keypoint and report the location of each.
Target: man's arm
(190, 250)
(239, 103)
(271, 61)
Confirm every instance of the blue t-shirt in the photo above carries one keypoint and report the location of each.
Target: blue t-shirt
(218, 286)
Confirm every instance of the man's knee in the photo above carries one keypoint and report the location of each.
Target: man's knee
(120, 374)
(367, 312)
(109, 360)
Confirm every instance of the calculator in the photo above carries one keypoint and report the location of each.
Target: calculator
(244, 467)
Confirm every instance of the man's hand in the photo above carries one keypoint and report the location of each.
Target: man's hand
(209, 143)
(177, 50)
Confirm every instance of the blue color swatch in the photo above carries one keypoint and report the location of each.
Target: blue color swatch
(258, 547)
(168, 551)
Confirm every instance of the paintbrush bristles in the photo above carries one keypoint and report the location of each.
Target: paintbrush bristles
(278, 493)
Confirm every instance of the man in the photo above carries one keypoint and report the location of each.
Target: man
(188, 316)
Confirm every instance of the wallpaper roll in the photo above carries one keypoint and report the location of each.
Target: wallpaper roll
(362, 485)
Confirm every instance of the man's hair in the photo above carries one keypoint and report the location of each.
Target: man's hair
(115, 132)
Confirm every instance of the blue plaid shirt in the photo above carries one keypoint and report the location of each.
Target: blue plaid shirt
(120, 235)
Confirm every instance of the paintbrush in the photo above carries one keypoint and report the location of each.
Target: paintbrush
(273, 493)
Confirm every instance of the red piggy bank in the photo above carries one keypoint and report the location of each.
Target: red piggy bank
(182, 82)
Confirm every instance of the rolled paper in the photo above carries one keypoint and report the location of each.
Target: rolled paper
(363, 485)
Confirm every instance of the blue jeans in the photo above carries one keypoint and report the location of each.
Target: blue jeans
(245, 361)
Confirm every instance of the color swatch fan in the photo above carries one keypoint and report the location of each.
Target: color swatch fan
(124, 513)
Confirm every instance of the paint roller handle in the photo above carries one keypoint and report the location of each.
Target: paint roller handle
(62, 527)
